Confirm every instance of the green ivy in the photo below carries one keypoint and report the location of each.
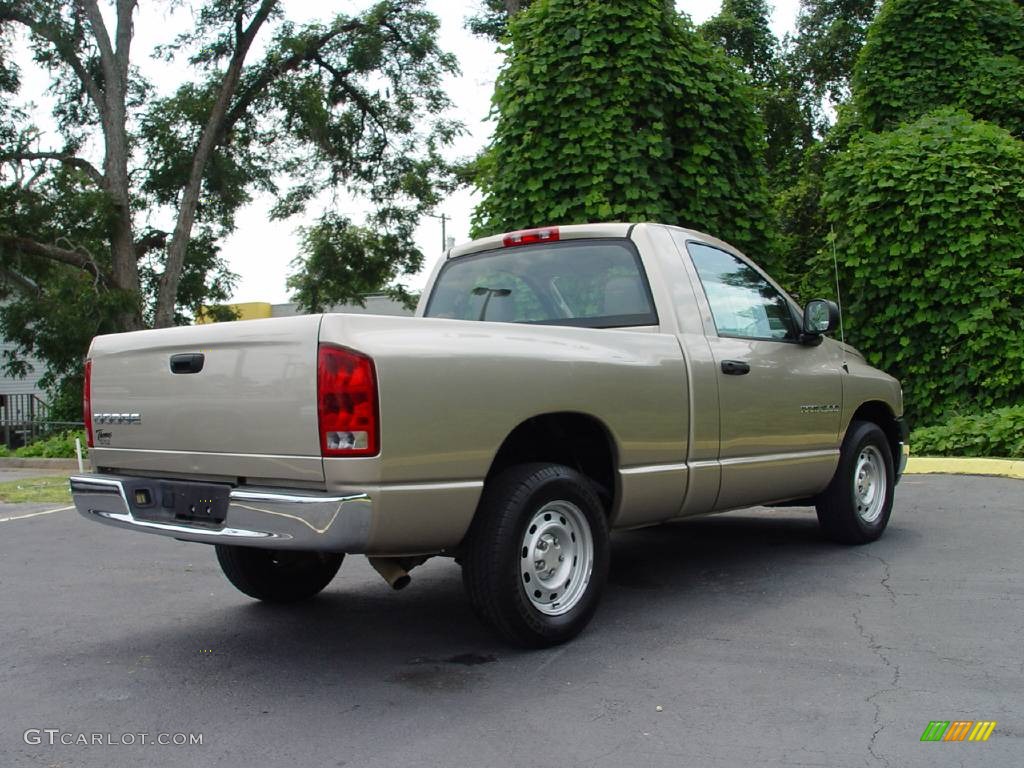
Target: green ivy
(622, 112)
(997, 433)
(922, 54)
(929, 223)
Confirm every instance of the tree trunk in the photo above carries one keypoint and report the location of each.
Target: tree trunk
(124, 262)
(113, 116)
(212, 131)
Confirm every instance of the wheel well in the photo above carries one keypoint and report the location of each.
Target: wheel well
(880, 413)
(573, 439)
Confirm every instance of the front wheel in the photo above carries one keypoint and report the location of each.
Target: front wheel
(856, 506)
(536, 558)
(278, 576)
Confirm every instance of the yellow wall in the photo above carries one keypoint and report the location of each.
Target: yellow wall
(250, 310)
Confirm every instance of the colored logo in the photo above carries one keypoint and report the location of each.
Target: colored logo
(958, 730)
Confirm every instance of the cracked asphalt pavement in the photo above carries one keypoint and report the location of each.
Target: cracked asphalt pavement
(761, 643)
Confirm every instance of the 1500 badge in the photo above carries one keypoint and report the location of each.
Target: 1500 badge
(828, 408)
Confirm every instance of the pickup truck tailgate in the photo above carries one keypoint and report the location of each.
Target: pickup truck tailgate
(250, 410)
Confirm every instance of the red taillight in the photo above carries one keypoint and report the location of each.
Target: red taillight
(347, 403)
(87, 403)
(527, 236)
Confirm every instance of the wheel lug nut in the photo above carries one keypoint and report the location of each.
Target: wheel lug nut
(561, 558)
(540, 565)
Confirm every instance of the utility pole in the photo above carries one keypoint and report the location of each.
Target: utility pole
(444, 233)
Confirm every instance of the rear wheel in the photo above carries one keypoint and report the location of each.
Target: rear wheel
(856, 506)
(278, 576)
(537, 555)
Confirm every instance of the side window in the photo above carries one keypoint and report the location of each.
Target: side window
(742, 302)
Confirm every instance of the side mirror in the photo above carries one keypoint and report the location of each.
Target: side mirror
(820, 317)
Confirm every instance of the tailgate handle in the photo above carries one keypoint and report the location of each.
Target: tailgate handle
(191, 362)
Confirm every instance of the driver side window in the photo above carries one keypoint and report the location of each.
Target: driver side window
(743, 303)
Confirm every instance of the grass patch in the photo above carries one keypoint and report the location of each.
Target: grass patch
(49, 489)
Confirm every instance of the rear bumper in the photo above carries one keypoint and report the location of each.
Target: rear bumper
(255, 518)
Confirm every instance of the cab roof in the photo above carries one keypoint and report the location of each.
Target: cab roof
(568, 232)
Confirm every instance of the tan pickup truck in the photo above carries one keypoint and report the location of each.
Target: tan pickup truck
(555, 384)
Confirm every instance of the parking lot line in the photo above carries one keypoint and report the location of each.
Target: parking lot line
(35, 514)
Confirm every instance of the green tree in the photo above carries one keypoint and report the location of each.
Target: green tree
(742, 30)
(341, 262)
(921, 54)
(829, 37)
(265, 104)
(621, 111)
(929, 222)
(493, 17)
(818, 62)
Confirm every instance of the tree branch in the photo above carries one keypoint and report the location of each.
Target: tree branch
(271, 72)
(64, 47)
(102, 37)
(54, 253)
(64, 158)
(18, 280)
(151, 241)
(341, 80)
(124, 33)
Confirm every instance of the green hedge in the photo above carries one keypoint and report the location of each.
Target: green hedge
(998, 433)
(61, 446)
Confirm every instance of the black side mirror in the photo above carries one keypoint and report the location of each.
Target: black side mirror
(820, 317)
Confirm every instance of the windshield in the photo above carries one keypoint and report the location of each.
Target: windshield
(589, 283)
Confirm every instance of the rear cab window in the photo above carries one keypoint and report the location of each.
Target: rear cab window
(597, 283)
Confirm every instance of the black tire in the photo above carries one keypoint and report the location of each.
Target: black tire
(843, 514)
(496, 556)
(278, 576)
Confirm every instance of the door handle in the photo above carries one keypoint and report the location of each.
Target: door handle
(187, 363)
(735, 367)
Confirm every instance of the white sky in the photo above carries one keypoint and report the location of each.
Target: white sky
(260, 251)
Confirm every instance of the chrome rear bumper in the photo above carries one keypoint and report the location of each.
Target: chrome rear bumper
(255, 518)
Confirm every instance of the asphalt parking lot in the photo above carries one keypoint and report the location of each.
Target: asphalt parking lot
(760, 643)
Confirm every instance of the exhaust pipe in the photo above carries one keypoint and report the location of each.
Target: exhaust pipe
(395, 570)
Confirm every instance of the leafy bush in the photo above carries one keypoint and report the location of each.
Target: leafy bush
(922, 54)
(929, 223)
(997, 433)
(60, 446)
(622, 112)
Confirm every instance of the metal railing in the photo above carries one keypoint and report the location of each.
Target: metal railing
(26, 417)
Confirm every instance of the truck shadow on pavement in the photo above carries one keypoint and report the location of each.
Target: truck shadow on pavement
(674, 582)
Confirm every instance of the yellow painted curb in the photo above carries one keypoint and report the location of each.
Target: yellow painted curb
(922, 465)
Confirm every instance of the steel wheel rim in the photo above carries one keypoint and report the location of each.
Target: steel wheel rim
(556, 558)
(870, 484)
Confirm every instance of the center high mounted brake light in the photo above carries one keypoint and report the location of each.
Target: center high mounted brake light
(528, 236)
